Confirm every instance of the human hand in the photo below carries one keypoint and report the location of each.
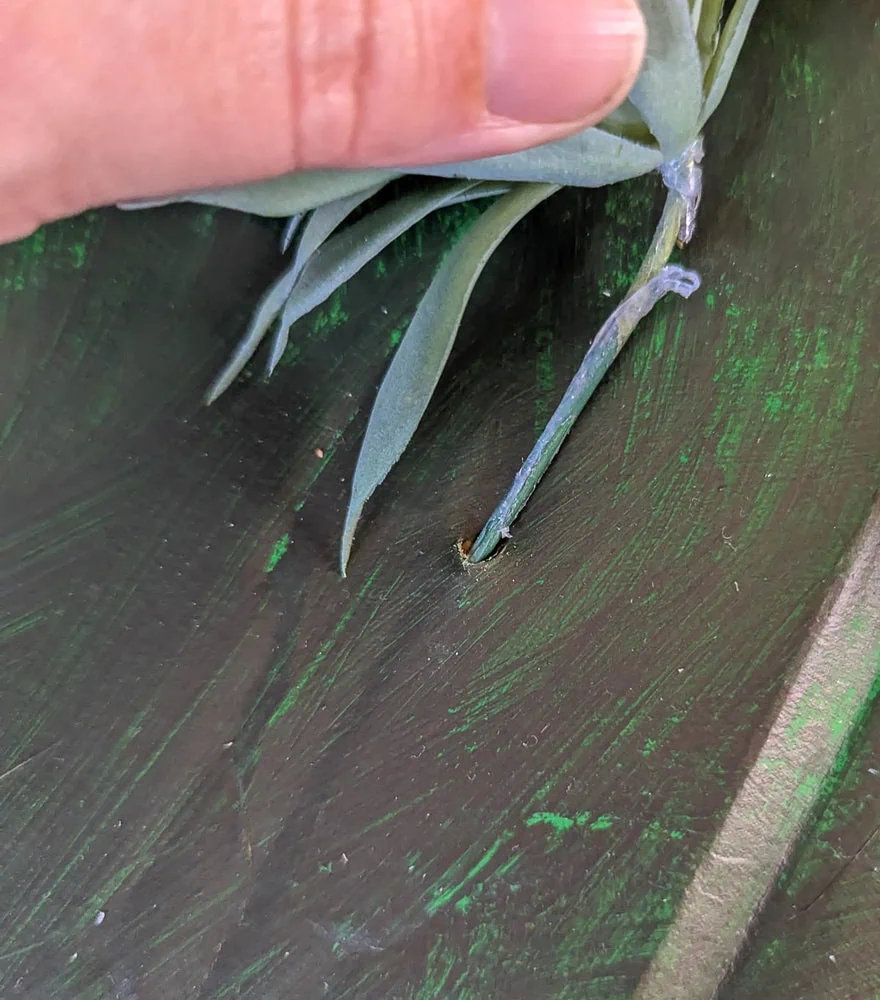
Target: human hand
(109, 100)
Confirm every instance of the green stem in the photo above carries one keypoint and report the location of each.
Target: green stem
(604, 349)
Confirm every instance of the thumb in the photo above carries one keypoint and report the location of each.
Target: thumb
(102, 101)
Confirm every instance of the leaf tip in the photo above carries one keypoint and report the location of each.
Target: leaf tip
(279, 346)
(351, 519)
(222, 382)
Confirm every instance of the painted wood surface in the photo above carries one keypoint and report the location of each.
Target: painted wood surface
(225, 772)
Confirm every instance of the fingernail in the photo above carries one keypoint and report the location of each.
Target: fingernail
(556, 61)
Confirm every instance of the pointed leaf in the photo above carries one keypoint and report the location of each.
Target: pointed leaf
(669, 90)
(592, 158)
(291, 228)
(415, 370)
(732, 38)
(708, 29)
(325, 220)
(626, 122)
(284, 195)
(268, 308)
(322, 222)
(341, 257)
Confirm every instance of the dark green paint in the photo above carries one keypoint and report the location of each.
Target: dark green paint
(249, 720)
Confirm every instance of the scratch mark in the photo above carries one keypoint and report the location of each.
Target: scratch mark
(840, 871)
(28, 760)
(350, 942)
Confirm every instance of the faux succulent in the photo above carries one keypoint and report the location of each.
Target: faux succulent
(693, 46)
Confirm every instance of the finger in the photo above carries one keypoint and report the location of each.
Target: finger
(102, 101)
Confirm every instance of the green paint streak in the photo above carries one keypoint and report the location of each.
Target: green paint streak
(508, 866)
(559, 822)
(291, 355)
(393, 813)
(628, 233)
(444, 896)
(772, 356)
(77, 253)
(250, 972)
(292, 696)
(438, 969)
(840, 802)
(604, 822)
(551, 819)
(395, 337)
(130, 786)
(78, 247)
(100, 899)
(455, 221)
(331, 317)
(278, 552)
(545, 378)
(36, 245)
(6, 956)
(21, 624)
(203, 222)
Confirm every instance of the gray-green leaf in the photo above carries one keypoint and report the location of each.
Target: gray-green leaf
(291, 228)
(415, 370)
(669, 90)
(729, 47)
(708, 29)
(321, 224)
(281, 196)
(341, 257)
(592, 158)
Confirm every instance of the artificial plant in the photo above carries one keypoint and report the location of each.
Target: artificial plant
(693, 46)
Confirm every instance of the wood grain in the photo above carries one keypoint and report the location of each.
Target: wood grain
(423, 782)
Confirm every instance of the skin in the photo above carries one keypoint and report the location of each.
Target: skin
(102, 101)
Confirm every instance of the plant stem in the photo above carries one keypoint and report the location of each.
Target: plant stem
(653, 281)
